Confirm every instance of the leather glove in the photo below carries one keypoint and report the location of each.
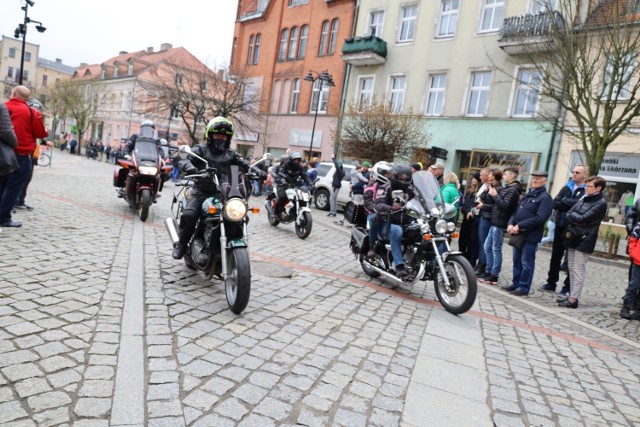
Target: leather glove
(190, 170)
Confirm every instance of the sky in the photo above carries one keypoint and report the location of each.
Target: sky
(89, 31)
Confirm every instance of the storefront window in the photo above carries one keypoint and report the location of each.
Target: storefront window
(620, 197)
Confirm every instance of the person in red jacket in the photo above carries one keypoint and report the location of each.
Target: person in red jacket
(632, 295)
(28, 126)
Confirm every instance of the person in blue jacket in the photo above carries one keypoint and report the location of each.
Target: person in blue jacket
(532, 212)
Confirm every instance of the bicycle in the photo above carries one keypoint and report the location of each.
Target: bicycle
(44, 159)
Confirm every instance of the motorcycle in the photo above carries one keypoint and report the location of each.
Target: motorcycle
(296, 209)
(141, 176)
(219, 243)
(425, 246)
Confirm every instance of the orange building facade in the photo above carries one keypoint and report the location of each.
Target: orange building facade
(277, 43)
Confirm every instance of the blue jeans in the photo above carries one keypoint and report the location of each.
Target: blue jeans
(483, 231)
(373, 232)
(395, 238)
(524, 262)
(256, 187)
(14, 185)
(551, 228)
(493, 250)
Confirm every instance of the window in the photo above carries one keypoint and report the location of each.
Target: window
(376, 21)
(324, 97)
(617, 76)
(10, 72)
(44, 80)
(333, 39)
(407, 23)
(302, 46)
(297, 2)
(275, 97)
(256, 48)
(479, 93)
(250, 53)
(538, 6)
(248, 99)
(12, 52)
(179, 79)
(527, 96)
(27, 56)
(25, 75)
(293, 43)
(448, 18)
(492, 14)
(398, 86)
(284, 42)
(365, 90)
(130, 69)
(435, 100)
(322, 50)
(120, 99)
(295, 96)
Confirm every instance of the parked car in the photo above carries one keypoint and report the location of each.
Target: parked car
(323, 185)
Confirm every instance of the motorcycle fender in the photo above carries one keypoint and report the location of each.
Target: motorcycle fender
(236, 243)
(448, 254)
(301, 212)
(358, 243)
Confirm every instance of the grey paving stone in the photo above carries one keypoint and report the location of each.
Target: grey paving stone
(56, 363)
(311, 419)
(201, 400)
(10, 411)
(48, 400)
(19, 372)
(162, 377)
(163, 391)
(214, 420)
(250, 393)
(164, 408)
(254, 420)
(349, 418)
(231, 408)
(52, 417)
(92, 407)
(31, 386)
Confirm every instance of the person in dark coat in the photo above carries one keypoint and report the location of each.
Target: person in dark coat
(585, 216)
(482, 215)
(7, 136)
(533, 211)
(504, 204)
(468, 241)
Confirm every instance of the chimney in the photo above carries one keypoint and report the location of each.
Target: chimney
(122, 52)
(58, 61)
(150, 49)
(83, 64)
(165, 46)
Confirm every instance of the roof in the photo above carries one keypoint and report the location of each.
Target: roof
(56, 65)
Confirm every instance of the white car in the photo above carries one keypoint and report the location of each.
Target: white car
(323, 185)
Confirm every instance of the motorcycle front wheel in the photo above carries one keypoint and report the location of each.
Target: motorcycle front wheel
(237, 286)
(145, 202)
(304, 228)
(459, 296)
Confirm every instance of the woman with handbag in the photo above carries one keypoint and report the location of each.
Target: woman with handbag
(581, 235)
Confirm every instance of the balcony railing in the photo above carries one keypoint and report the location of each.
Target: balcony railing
(368, 50)
(529, 33)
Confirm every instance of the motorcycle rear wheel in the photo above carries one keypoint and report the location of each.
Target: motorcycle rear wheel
(237, 286)
(144, 204)
(368, 270)
(461, 295)
(304, 229)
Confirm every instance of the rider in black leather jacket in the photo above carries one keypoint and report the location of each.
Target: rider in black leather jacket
(288, 173)
(219, 156)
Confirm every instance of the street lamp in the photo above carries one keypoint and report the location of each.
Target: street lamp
(21, 30)
(324, 78)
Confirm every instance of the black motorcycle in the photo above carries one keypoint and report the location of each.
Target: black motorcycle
(425, 246)
(219, 245)
(296, 209)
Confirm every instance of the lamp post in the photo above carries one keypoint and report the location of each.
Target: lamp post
(324, 78)
(21, 30)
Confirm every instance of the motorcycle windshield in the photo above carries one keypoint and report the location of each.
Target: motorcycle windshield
(232, 182)
(146, 152)
(427, 193)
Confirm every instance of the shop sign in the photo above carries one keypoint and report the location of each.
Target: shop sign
(525, 162)
(302, 137)
(614, 165)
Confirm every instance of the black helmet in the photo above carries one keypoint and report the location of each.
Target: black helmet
(400, 176)
(219, 126)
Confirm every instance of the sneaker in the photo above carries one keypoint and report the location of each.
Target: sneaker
(331, 214)
(564, 292)
(490, 279)
(11, 223)
(547, 288)
(519, 292)
(400, 271)
(24, 207)
(635, 315)
(178, 251)
(509, 288)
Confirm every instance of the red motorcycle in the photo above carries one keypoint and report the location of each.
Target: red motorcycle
(141, 176)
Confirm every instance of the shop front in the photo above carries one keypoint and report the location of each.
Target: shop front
(475, 160)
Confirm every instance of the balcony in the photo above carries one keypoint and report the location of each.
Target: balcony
(369, 50)
(529, 33)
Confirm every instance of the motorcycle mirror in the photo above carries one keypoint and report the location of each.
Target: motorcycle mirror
(184, 151)
(449, 211)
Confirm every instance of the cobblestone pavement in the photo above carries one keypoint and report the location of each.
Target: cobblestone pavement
(324, 345)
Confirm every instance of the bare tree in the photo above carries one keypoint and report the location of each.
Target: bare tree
(587, 74)
(79, 99)
(53, 105)
(374, 132)
(196, 94)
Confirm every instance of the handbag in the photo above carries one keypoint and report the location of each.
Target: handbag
(517, 240)
(572, 236)
(8, 159)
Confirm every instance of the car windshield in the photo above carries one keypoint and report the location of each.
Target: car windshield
(427, 193)
(146, 151)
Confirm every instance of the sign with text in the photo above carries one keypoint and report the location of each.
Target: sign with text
(614, 165)
(525, 162)
(302, 137)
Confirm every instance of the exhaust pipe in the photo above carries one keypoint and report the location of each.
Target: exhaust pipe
(172, 229)
(393, 278)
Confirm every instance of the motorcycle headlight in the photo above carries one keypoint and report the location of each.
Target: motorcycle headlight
(305, 196)
(235, 210)
(441, 226)
(148, 170)
(451, 226)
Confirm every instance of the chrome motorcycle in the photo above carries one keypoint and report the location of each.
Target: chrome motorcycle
(296, 209)
(219, 245)
(425, 247)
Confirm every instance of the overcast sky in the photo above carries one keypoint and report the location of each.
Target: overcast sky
(93, 31)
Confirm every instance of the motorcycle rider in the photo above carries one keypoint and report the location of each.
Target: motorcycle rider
(380, 171)
(286, 174)
(218, 155)
(389, 209)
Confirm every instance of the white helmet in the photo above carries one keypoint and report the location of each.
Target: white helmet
(381, 170)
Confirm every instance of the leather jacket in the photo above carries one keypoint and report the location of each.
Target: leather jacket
(505, 204)
(220, 161)
(288, 174)
(7, 135)
(586, 215)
